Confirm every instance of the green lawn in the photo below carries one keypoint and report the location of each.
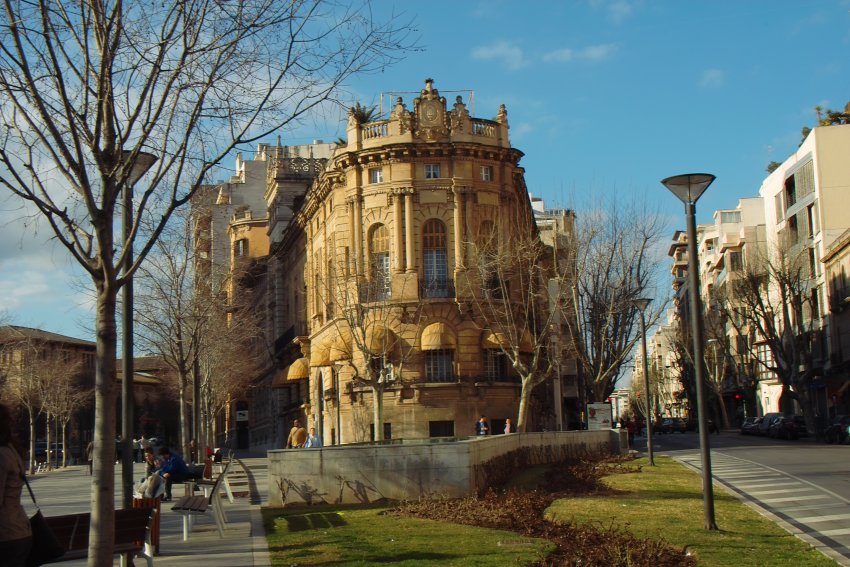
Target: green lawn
(364, 536)
(666, 502)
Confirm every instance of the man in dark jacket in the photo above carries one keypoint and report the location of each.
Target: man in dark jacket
(173, 469)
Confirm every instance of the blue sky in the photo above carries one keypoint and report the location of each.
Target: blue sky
(602, 97)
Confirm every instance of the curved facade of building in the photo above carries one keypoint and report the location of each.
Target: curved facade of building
(389, 238)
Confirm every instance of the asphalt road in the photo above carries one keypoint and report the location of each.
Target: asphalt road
(802, 485)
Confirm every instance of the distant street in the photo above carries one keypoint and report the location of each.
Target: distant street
(803, 485)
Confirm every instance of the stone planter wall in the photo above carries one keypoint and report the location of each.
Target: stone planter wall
(415, 468)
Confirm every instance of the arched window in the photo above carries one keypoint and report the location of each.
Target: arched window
(379, 250)
(435, 282)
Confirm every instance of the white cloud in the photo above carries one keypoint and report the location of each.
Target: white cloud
(511, 55)
(618, 10)
(590, 53)
(712, 78)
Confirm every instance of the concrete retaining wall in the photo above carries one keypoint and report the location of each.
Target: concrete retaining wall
(417, 468)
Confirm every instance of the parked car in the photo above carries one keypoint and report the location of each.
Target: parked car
(802, 429)
(836, 432)
(750, 426)
(783, 427)
(766, 421)
(673, 425)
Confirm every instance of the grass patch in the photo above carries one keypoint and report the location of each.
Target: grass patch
(665, 502)
(345, 535)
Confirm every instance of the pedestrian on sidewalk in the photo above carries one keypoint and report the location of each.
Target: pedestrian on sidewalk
(313, 440)
(297, 436)
(15, 533)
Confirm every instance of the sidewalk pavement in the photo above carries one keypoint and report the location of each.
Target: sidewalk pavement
(68, 491)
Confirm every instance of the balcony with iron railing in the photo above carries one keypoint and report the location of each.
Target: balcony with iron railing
(436, 288)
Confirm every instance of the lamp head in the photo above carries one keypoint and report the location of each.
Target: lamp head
(641, 303)
(688, 187)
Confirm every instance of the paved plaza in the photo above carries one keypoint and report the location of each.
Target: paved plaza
(68, 491)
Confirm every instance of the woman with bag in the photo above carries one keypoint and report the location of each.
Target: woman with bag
(15, 533)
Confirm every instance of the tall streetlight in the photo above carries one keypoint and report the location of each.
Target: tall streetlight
(688, 188)
(642, 304)
(143, 162)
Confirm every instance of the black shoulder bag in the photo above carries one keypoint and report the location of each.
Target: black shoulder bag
(45, 547)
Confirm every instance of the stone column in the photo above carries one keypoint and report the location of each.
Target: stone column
(398, 235)
(460, 218)
(357, 236)
(408, 229)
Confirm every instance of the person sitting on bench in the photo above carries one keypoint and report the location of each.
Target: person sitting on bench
(173, 469)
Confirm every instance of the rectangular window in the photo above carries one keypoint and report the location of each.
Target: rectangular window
(495, 365)
(382, 363)
(486, 173)
(731, 217)
(439, 366)
(810, 218)
(441, 429)
(388, 431)
(432, 171)
(376, 175)
(790, 192)
(735, 263)
(240, 248)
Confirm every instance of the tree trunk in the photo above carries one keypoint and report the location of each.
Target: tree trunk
(723, 413)
(522, 412)
(378, 407)
(184, 418)
(101, 534)
(64, 443)
(48, 452)
(32, 462)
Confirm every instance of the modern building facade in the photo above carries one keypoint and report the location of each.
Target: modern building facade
(799, 220)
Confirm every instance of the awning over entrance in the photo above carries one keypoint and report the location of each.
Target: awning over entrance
(438, 336)
(299, 369)
(497, 340)
(340, 349)
(319, 354)
(379, 339)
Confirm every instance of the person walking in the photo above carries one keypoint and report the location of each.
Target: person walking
(313, 440)
(15, 533)
(297, 436)
(482, 427)
(509, 427)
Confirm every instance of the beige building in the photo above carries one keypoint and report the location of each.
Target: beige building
(377, 283)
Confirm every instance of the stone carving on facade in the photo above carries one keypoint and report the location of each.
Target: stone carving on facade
(430, 110)
(404, 116)
(502, 116)
(460, 116)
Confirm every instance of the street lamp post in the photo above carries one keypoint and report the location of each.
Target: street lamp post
(642, 304)
(688, 188)
(143, 162)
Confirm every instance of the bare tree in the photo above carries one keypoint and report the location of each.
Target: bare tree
(202, 332)
(517, 296)
(616, 259)
(773, 302)
(364, 312)
(62, 397)
(88, 87)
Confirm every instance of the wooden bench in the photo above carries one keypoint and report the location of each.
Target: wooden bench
(132, 534)
(191, 506)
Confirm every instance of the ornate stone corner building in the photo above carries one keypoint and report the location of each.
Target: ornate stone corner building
(375, 278)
